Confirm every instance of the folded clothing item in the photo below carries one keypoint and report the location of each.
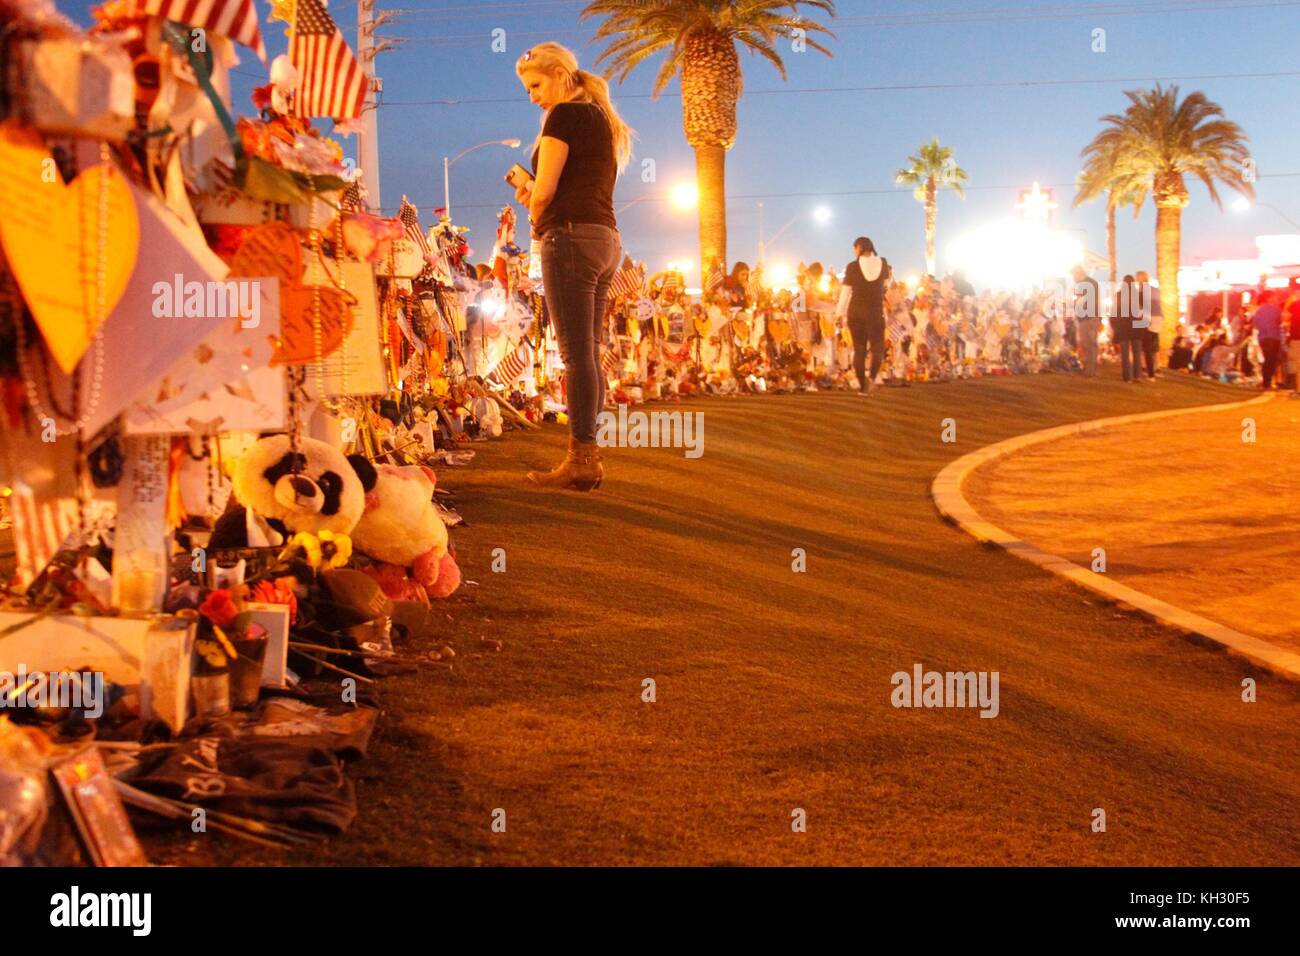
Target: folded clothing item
(270, 778)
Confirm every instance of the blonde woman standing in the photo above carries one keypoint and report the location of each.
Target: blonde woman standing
(582, 147)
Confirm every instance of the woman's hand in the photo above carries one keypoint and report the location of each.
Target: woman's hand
(524, 194)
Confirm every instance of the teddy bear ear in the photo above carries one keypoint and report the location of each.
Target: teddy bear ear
(365, 471)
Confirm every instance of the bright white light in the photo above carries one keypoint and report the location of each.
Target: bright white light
(822, 214)
(1241, 204)
(913, 281)
(779, 275)
(1014, 254)
(680, 265)
(685, 195)
(1277, 282)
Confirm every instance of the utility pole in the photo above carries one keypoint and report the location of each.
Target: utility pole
(367, 49)
(368, 137)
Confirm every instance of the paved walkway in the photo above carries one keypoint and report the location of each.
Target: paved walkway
(1185, 510)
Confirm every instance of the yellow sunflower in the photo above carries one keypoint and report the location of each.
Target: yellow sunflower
(335, 549)
(307, 543)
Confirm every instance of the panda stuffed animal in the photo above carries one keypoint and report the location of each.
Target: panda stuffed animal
(277, 492)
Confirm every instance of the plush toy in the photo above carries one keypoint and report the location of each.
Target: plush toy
(401, 529)
(276, 494)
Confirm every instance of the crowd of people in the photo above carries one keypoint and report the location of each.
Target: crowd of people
(1257, 345)
(748, 334)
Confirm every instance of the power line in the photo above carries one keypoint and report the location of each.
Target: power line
(889, 88)
(944, 17)
(826, 194)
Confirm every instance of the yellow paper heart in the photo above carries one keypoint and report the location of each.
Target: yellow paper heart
(51, 237)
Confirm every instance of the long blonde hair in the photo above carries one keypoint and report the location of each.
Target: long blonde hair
(588, 88)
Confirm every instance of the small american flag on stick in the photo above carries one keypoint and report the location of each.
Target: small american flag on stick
(610, 363)
(510, 368)
(351, 199)
(714, 280)
(410, 217)
(627, 280)
(331, 82)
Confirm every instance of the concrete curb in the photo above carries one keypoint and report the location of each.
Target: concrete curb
(946, 490)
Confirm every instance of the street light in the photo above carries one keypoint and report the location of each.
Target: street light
(1242, 204)
(821, 214)
(683, 196)
(448, 163)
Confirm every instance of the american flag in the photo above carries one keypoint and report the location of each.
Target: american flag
(610, 363)
(933, 339)
(332, 83)
(236, 19)
(351, 199)
(627, 280)
(510, 368)
(714, 280)
(410, 217)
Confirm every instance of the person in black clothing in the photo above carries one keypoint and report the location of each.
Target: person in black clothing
(582, 146)
(1128, 309)
(862, 301)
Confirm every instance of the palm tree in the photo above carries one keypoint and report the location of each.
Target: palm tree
(928, 170)
(701, 37)
(1160, 141)
(1101, 176)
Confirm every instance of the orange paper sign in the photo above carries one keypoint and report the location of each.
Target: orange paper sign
(51, 235)
(275, 250)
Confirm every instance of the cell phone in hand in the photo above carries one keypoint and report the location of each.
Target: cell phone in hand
(518, 176)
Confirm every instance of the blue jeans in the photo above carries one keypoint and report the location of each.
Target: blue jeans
(578, 261)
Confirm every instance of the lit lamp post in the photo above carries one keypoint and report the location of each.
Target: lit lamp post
(1243, 204)
(683, 196)
(821, 214)
(448, 163)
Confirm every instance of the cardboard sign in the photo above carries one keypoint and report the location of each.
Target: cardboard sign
(276, 250)
(358, 367)
(140, 541)
(51, 237)
(406, 261)
(224, 383)
(97, 810)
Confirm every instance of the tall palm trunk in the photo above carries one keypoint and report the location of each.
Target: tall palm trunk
(1112, 254)
(711, 181)
(711, 85)
(1169, 226)
(931, 214)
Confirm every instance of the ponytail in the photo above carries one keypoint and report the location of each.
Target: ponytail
(590, 88)
(597, 91)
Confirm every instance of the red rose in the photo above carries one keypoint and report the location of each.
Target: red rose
(219, 608)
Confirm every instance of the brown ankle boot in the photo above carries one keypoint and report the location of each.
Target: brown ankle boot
(580, 470)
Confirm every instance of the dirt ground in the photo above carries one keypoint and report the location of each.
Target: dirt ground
(1186, 510)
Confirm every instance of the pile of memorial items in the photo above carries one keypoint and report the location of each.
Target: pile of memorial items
(228, 389)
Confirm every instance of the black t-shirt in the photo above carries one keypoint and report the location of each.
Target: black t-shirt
(586, 189)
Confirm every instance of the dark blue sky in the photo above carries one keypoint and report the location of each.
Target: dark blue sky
(1024, 92)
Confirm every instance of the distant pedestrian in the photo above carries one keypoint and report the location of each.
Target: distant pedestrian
(1293, 350)
(862, 300)
(1155, 319)
(1126, 330)
(1087, 318)
(1268, 329)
